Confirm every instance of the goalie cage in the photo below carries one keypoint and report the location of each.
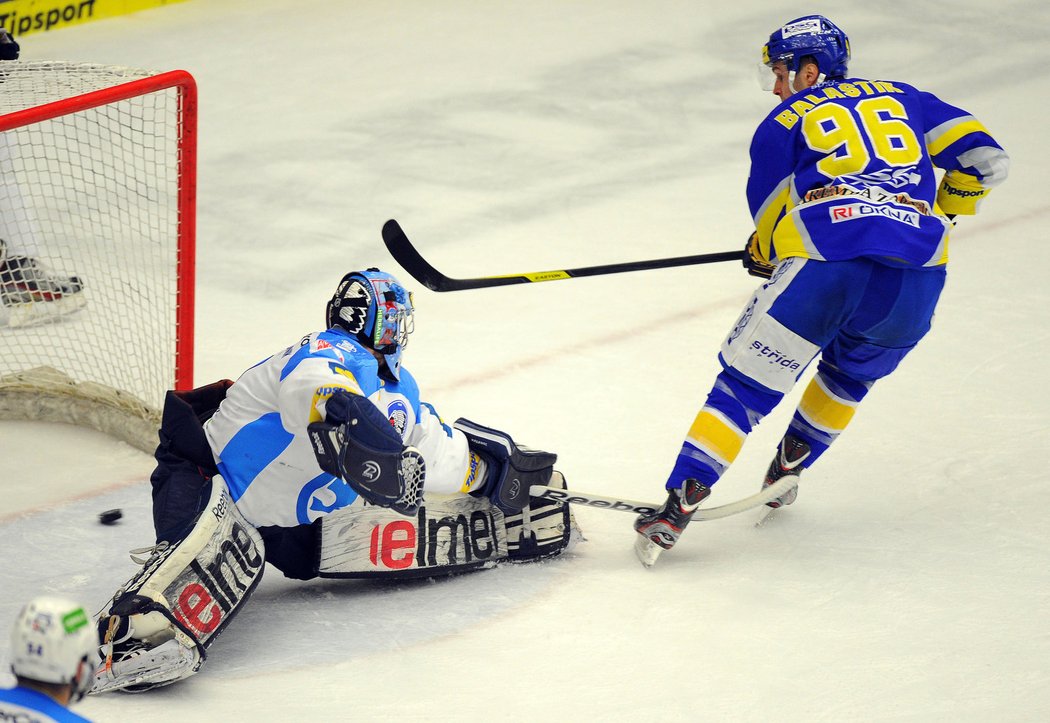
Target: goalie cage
(98, 182)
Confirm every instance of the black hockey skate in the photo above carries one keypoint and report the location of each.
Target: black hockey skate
(660, 530)
(790, 456)
(30, 294)
(24, 281)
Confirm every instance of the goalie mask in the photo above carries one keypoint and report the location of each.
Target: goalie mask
(811, 35)
(54, 641)
(374, 308)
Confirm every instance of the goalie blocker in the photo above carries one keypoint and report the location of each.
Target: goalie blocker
(507, 469)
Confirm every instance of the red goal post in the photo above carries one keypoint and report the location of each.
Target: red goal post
(98, 192)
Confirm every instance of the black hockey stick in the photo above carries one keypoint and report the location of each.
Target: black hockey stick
(410, 259)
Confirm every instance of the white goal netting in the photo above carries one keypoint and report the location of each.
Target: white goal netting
(97, 174)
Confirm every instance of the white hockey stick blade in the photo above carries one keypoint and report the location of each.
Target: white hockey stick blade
(589, 499)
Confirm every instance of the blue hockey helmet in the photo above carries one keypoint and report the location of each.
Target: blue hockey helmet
(811, 35)
(374, 308)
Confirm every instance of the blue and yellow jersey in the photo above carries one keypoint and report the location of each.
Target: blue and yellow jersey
(848, 169)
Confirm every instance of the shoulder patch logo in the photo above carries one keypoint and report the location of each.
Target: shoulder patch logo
(397, 413)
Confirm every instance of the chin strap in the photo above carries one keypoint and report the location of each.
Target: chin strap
(821, 77)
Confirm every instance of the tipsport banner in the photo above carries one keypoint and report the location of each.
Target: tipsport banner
(21, 17)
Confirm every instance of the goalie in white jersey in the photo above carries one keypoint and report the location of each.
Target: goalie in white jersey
(259, 433)
(323, 461)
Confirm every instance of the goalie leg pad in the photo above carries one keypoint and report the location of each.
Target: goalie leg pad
(512, 469)
(448, 535)
(160, 623)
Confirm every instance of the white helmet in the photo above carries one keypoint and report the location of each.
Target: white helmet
(54, 641)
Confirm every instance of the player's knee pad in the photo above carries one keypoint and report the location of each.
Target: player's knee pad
(510, 468)
(159, 624)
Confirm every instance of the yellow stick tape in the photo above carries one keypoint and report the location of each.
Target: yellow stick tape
(22, 17)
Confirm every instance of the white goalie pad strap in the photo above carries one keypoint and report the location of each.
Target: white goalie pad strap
(447, 534)
(187, 592)
(543, 529)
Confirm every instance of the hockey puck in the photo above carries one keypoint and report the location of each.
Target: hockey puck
(110, 517)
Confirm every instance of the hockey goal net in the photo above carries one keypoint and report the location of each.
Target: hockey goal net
(97, 224)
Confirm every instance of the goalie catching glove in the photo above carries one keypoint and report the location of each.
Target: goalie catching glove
(755, 261)
(357, 444)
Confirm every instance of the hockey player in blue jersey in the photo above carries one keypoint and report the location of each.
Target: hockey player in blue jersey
(323, 461)
(852, 231)
(53, 655)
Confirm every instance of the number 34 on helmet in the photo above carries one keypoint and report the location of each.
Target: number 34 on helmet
(54, 641)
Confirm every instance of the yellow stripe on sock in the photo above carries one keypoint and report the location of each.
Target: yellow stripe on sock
(716, 435)
(824, 410)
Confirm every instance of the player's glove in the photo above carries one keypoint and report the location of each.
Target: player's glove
(755, 263)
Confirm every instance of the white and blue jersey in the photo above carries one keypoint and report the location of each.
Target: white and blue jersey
(259, 440)
(30, 706)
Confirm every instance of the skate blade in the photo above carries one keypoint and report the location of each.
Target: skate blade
(647, 551)
(43, 312)
(765, 514)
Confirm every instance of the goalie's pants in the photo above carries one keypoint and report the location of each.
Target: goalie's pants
(862, 316)
(182, 482)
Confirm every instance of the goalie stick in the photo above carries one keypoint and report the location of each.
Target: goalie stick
(588, 499)
(412, 261)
